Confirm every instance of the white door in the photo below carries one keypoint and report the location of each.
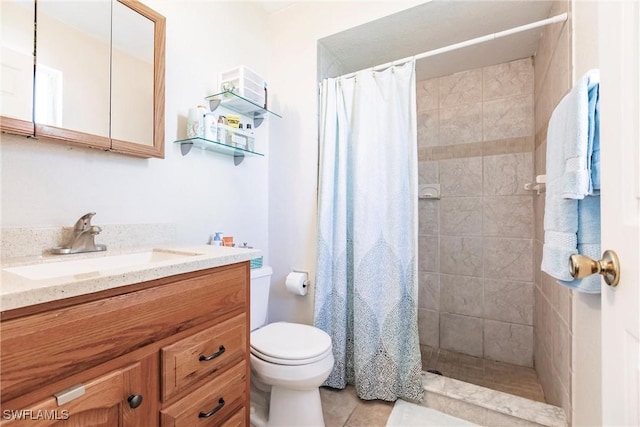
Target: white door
(619, 33)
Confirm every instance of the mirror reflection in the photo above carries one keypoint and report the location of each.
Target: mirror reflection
(132, 82)
(16, 59)
(72, 82)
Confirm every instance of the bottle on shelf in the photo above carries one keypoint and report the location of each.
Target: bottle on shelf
(216, 239)
(222, 132)
(210, 127)
(195, 121)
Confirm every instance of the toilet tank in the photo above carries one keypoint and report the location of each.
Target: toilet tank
(260, 284)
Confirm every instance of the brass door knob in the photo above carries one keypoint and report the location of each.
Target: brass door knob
(581, 266)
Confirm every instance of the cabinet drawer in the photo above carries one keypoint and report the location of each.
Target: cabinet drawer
(188, 360)
(40, 349)
(239, 419)
(210, 404)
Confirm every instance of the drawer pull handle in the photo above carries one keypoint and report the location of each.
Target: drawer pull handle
(213, 411)
(204, 358)
(134, 400)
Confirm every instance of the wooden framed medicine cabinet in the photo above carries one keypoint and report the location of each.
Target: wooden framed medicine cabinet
(99, 74)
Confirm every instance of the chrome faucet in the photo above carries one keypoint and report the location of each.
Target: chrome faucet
(83, 239)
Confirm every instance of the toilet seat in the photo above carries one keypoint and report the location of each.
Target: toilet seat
(285, 343)
(290, 362)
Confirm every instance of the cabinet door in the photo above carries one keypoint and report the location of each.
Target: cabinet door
(73, 71)
(125, 397)
(16, 61)
(132, 77)
(137, 80)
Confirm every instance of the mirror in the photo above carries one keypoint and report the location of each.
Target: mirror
(73, 71)
(16, 62)
(99, 73)
(136, 102)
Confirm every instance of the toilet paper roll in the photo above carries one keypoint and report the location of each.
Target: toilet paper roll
(296, 283)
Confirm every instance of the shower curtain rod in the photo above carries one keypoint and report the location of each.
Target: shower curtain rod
(552, 20)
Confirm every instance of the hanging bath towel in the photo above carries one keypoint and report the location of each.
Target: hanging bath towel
(572, 202)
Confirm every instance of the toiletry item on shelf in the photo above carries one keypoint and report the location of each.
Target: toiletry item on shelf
(210, 127)
(222, 130)
(233, 120)
(238, 139)
(227, 86)
(227, 241)
(251, 140)
(195, 121)
(233, 137)
(216, 239)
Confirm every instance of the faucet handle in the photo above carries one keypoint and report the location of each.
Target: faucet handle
(84, 222)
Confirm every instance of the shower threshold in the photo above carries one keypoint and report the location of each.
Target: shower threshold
(487, 407)
(513, 379)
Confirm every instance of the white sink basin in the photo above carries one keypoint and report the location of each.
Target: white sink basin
(74, 267)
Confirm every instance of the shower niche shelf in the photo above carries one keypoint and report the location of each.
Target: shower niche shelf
(235, 103)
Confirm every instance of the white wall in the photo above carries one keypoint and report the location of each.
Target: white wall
(586, 322)
(293, 153)
(46, 184)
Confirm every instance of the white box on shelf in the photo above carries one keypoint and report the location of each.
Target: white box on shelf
(244, 82)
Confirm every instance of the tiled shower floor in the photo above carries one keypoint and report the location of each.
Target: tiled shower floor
(499, 376)
(342, 408)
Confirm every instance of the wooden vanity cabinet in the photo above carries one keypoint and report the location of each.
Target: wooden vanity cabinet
(170, 352)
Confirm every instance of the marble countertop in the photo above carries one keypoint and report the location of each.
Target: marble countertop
(18, 291)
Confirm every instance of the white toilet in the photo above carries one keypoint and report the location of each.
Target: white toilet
(289, 362)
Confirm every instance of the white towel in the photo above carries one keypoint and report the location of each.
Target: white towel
(581, 137)
(572, 204)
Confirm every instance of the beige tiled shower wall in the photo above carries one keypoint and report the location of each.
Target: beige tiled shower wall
(476, 139)
(552, 314)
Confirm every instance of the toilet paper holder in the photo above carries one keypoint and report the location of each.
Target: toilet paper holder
(307, 281)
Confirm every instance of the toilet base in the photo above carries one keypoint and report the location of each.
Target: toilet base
(295, 407)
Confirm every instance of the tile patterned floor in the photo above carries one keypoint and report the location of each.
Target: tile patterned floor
(342, 408)
(513, 379)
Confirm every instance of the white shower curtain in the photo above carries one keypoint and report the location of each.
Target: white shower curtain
(366, 291)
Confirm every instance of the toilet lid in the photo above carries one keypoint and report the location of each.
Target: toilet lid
(291, 362)
(290, 341)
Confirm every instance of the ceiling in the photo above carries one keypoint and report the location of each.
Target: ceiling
(270, 6)
(439, 23)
